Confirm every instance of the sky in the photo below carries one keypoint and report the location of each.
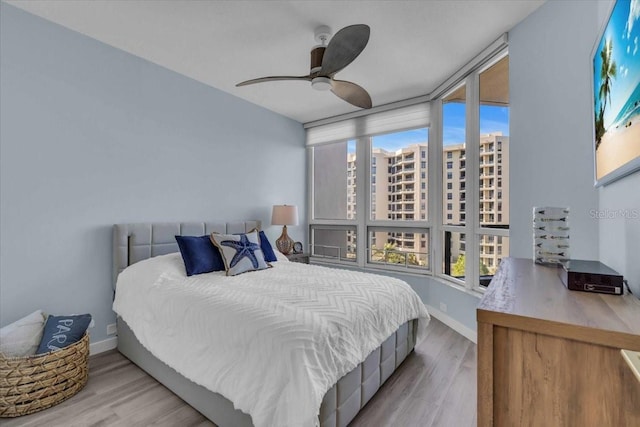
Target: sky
(623, 30)
(492, 119)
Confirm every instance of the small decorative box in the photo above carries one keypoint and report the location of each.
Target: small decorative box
(550, 235)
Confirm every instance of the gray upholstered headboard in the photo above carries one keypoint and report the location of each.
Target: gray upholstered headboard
(136, 242)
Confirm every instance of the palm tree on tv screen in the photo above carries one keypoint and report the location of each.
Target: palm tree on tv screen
(608, 72)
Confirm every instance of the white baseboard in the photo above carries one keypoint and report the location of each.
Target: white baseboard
(463, 330)
(102, 346)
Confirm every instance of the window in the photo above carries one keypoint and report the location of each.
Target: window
(494, 127)
(381, 222)
(333, 165)
(402, 247)
(454, 141)
(387, 246)
(334, 242)
(454, 255)
(483, 235)
(390, 231)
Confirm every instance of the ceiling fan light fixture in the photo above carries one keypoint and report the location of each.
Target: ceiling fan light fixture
(327, 59)
(321, 83)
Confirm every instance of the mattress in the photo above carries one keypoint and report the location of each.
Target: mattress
(274, 341)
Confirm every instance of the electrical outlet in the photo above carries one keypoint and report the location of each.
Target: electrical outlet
(443, 307)
(111, 329)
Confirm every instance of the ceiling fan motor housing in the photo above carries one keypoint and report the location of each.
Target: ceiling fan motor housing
(316, 58)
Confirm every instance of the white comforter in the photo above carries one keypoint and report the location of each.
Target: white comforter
(272, 341)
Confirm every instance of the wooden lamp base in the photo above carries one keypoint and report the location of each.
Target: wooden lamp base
(284, 242)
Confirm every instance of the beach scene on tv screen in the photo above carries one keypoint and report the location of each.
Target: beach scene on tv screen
(616, 79)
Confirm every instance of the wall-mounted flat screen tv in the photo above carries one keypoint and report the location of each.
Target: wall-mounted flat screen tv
(616, 94)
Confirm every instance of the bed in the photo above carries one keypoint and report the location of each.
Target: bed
(155, 243)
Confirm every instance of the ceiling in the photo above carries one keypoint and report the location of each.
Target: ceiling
(414, 45)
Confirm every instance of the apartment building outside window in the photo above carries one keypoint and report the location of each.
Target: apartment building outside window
(395, 204)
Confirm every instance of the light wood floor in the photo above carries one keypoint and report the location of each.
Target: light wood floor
(435, 386)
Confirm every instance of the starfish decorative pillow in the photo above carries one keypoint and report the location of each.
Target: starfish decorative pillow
(240, 252)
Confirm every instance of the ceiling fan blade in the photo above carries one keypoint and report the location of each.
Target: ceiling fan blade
(352, 93)
(344, 47)
(273, 79)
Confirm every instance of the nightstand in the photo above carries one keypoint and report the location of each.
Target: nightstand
(301, 257)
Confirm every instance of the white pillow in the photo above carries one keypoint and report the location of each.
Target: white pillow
(22, 337)
(240, 252)
(281, 256)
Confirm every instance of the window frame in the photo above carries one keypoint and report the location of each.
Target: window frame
(339, 260)
(472, 227)
(362, 220)
(406, 228)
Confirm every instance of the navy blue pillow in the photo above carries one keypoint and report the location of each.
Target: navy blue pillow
(62, 331)
(267, 250)
(199, 255)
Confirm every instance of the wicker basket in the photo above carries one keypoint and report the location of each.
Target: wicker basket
(33, 383)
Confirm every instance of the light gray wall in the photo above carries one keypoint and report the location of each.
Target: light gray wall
(620, 228)
(91, 136)
(551, 137)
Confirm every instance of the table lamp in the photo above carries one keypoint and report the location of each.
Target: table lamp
(284, 215)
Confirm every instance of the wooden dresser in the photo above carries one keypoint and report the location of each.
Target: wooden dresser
(548, 356)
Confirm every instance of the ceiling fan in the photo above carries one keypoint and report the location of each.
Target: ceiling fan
(329, 59)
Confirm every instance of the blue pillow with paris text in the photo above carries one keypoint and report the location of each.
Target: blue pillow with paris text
(62, 331)
(240, 252)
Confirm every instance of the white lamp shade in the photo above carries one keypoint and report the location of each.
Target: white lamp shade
(284, 215)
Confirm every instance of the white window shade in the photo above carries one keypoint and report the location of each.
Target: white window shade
(409, 117)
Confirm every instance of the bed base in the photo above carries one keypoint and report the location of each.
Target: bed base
(340, 405)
